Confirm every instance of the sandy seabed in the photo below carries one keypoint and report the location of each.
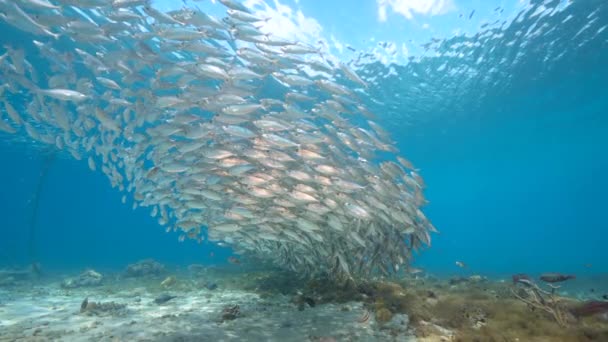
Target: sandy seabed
(48, 312)
(148, 302)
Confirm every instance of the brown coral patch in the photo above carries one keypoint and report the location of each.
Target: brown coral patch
(481, 311)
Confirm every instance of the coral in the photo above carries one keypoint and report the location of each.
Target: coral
(286, 283)
(321, 289)
(458, 280)
(301, 301)
(230, 312)
(398, 324)
(102, 309)
(479, 311)
(477, 278)
(86, 278)
(393, 297)
(142, 268)
(429, 332)
(476, 316)
(543, 300)
(383, 315)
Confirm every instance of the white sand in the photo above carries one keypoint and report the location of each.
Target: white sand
(49, 313)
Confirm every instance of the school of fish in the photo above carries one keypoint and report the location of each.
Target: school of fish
(224, 132)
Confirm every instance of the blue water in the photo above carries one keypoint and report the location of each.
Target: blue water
(516, 169)
(81, 220)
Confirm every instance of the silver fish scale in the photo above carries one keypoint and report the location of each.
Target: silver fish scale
(182, 127)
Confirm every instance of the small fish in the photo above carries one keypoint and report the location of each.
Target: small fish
(203, 143)
(244, 16)
(590, 308)
(91, 163)
(84, 304)
(20, 18)
(7, 128)
(163, 298)
(414, 270)
(555, 277)
(352, 75)
(40, 4)
(461, 264)
(63, 94)
(298, 49)
(161, 17)
(168, 281)
(522, 278)
(12, 113)
(364, 318)
(235, 5)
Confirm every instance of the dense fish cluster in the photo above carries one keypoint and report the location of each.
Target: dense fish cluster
(223, 131)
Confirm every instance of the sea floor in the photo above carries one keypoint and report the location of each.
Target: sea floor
(215, 304)
(126, 310)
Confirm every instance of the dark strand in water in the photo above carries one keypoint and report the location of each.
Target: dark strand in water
(48, 161)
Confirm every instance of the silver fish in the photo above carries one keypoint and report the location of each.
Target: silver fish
(173, 109)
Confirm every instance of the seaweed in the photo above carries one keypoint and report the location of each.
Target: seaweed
(547, 301)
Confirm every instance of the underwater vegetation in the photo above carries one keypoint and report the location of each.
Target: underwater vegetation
(537, 298)
(168, 303)
(483, 310)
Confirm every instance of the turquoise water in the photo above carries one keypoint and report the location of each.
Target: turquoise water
(510, 137)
